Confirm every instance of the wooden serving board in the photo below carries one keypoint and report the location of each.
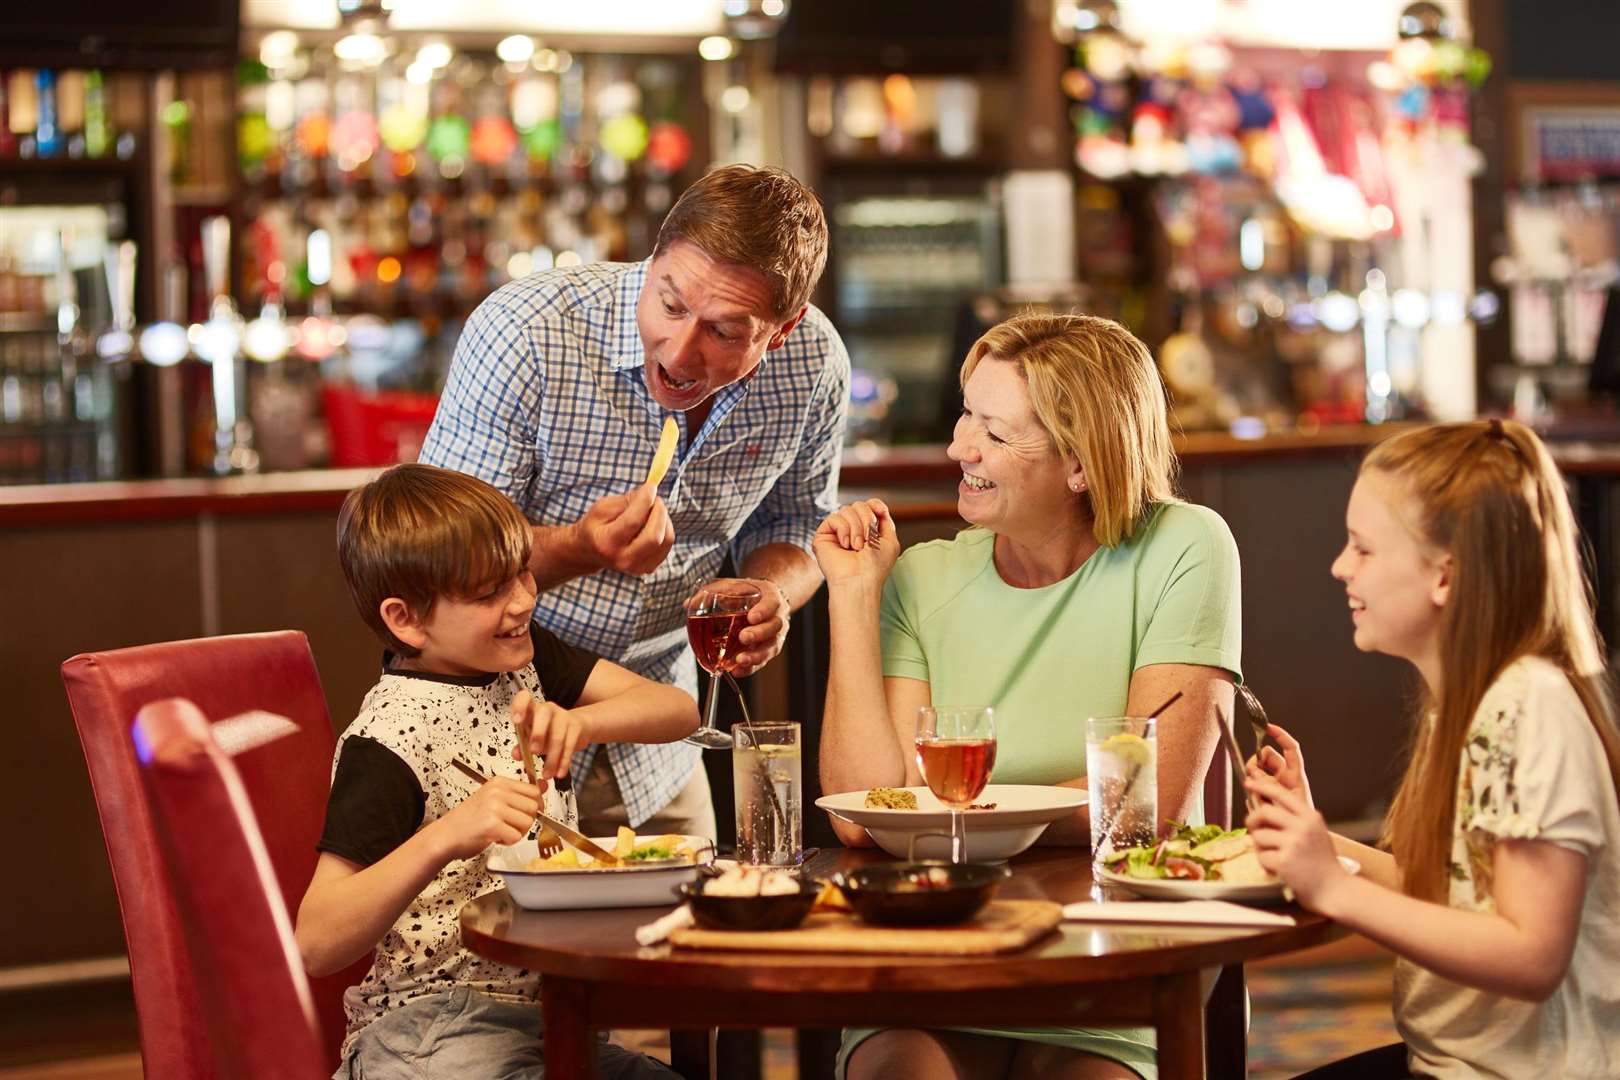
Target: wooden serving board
(1003, 926)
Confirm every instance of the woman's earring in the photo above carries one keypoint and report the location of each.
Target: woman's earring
(1074, 486)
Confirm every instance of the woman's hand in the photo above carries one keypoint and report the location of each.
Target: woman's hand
(1293, 842)
(857, 544)
(1287, 768)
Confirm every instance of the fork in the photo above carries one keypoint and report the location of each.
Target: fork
(1257, 716)
(549, 842)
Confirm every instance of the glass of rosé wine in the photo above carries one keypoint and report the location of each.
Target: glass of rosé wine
(714, 621)
(956, 750)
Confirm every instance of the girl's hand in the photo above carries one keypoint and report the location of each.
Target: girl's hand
(1287, 768)
(857, 543)
(501, 811)
(1292, 842)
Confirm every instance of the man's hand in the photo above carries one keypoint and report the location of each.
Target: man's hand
(501, 811)
(630, 533)
(767, 627)
(556, 734)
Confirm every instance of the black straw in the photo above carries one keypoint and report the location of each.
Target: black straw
(1175, 697)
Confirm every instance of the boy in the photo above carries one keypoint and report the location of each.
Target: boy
(437, 563)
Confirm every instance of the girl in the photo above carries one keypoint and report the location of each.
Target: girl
(1500, 892)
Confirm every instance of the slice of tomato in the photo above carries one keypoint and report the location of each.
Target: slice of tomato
(1184, 869)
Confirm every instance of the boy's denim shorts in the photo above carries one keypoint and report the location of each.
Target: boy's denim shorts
(463, 1034)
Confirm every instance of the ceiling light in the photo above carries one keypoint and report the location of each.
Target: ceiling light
(716, 48)
(515, 49)
(277, 48)
(361, 49)
(435, 54)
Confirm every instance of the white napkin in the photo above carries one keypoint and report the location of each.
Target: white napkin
(661, 927)
(1184, 912)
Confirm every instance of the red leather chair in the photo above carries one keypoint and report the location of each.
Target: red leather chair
(286, 782)
(255, 997)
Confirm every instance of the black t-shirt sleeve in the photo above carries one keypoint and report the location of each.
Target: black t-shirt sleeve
(563, 668)
(376, 803)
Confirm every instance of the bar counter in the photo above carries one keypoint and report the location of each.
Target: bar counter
(102, 566)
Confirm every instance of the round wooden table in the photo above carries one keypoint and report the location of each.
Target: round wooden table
(595, 976)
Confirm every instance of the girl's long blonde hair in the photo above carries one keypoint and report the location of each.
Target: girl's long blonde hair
(1488, 494)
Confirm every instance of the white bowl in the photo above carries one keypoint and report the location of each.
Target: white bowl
(1022, 813)
(592, 887)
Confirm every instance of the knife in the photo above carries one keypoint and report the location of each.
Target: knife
(572, 837)
(579, 840)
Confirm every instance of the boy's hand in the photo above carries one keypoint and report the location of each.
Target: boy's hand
(501, 811)
(630, 533)
(555, 733)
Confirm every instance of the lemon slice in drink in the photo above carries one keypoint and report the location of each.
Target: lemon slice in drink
(1130, 748)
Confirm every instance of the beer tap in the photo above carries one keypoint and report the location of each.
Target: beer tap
(219, 343)
(117, 343)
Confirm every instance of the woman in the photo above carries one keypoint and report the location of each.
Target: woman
(1085, 588)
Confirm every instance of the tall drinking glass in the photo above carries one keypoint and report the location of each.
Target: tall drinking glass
(767, 774)
(1122, 764)
(956, 749)
(713, 622)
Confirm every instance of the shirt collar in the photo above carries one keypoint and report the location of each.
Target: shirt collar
(624, 340)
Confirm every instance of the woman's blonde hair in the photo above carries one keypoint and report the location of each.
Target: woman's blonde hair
(1098, 395)
(419, 532)
(1488, 494)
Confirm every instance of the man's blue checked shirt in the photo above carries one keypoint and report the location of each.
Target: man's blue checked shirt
(547, 400)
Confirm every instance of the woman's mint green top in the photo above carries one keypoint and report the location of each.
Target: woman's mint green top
(1048, 658)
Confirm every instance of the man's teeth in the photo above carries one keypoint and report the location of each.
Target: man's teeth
(976, 483)
(675, 383)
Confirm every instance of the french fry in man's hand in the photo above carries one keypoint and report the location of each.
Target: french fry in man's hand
(666, 452)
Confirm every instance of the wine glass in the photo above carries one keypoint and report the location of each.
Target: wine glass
(714, 621)
(956, 750)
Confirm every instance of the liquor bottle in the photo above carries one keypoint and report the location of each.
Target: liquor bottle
(8, 141)
(47, 136)
(97, 130)
(70, 112)
(22, 99)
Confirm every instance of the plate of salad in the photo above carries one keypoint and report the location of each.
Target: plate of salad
(1198, 862)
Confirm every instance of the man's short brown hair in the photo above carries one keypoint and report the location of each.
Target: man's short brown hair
(419, 532)
(761, 218)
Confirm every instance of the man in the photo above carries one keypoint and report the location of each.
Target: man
(560, 386)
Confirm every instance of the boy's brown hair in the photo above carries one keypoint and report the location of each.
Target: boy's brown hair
(761, 218)
(419, 532)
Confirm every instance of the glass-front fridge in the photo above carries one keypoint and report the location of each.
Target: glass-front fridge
(907, 254)
(60, 235)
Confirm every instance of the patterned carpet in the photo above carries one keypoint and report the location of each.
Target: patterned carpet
(1316, 1008)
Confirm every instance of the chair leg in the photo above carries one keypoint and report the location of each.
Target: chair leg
(691, 1053)
(1226, 1025)
(818, 1052)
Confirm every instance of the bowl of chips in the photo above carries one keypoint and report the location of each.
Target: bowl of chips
(647, 869)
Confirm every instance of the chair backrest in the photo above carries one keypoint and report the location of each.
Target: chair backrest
(286, 781)
(255, 997)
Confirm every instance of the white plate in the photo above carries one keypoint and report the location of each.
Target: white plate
(1022, 813)
(1181, 889)
(603, 887)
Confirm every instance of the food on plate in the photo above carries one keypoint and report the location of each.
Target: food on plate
(888, 798)
(831, 898)
(1196, 853)
(668, 847)
(751, 881)
(665, 452)
(982, 806)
